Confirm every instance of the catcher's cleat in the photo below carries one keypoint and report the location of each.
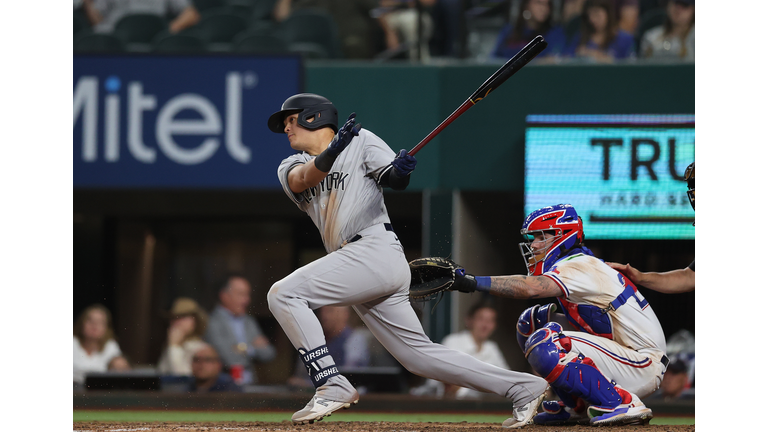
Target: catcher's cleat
(523, 415)
(632, 413)
(557, 414)
(319, 407)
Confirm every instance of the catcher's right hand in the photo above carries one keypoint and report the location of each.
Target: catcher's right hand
(433, 275)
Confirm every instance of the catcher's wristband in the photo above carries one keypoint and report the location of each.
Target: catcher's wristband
(483, 283)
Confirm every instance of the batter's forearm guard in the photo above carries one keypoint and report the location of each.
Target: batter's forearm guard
(324, 161)
(391, 179)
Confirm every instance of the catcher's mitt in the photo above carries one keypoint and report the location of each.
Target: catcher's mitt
(430, 276)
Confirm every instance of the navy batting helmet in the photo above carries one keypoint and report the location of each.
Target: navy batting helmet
(309, 106)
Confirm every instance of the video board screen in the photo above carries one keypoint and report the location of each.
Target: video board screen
(624, 174)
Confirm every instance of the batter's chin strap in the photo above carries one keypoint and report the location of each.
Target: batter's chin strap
(317, 374)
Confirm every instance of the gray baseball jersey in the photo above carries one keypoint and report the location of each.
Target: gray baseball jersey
(372, 275)
(345, 203)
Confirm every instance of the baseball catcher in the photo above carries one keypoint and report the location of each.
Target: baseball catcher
(617, 353)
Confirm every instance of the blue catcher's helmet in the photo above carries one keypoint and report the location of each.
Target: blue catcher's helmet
(566, 227)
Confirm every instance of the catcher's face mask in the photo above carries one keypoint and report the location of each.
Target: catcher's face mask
(558, 229)
(536, 246)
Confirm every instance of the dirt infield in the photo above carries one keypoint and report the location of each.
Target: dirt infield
(332, 426)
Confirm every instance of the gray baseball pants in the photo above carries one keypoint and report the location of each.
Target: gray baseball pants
(372, 276)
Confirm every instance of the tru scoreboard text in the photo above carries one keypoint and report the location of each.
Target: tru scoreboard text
(622, 173)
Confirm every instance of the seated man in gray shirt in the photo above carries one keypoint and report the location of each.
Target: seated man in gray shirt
(236, 336)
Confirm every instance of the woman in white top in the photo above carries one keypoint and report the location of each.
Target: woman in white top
(94, 343)
(475, 341)
(675, 38)
(188, 322)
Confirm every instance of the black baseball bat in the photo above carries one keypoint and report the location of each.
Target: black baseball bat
(522, 58)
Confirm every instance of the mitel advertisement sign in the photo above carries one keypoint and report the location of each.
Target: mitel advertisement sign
(145, 121)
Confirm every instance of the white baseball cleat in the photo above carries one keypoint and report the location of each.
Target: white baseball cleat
(523, 415)
(319, 407)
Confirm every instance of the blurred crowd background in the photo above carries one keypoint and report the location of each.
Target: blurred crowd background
(170, 285)
(601, 31)
(219, 351)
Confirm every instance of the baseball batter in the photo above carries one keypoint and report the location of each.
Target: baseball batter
(616, 356)
(337, 178)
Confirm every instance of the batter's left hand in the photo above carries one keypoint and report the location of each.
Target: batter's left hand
(404, 163)
(342, 139)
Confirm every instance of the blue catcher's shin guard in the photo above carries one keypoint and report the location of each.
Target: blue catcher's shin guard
(547, 350)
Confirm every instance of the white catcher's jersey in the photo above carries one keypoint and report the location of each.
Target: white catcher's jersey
(599, 300)
(349, 199)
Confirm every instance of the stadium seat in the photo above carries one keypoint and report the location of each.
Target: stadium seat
(243, 8)
(260, 44)
(203, 5)
(572, 27)
(262, 9)
(220, 28)
(312, 25)
(98, 43)
(650, 19)
(309, 50)
(262, 27)
(139, 28)
(178, 44)
(80, 24)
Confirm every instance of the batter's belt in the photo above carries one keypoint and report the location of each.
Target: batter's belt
(387, 226)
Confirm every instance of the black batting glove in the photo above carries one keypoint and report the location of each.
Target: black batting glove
(344, 136)
(404, 163)
(324, 161)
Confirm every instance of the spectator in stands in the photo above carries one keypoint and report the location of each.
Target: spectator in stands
(119, 364)
(679, 378)
(94, 342)
(534, 18)
(627, 13)
(237, 336)
(475, 341)
(600, 39)
(400, 21)
(675, 38)
(104, 14)
(185, 333)
(675, 380)
(207, 372)
(358, 31)
(348, 347)
(448, 19)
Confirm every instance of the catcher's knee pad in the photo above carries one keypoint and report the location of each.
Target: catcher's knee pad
(546, 348)
(548, 352)
(531, 320)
